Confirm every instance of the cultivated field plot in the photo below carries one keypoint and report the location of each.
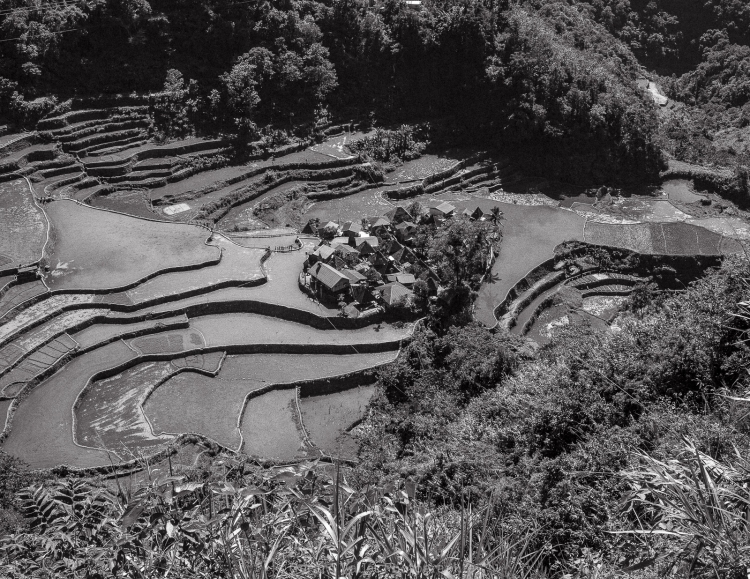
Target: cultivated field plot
(5, 280)
(728, 226)
(681, 190)
(655, 238)
(636, 236)
(133, 203)
(241, 217)
(269, 426)
(168, 342)
(109, 414)
(284, 368)
(530, 235)
(37, 314)
(193, 402)
(119, 328)
(238, 265)
(18, 294)
(34, 364)
(351, 208)
(102, 250)
(420, 168)
(194, 185)
(328, 417)
(631, 210)
(23, 227)
(337, 146)
(42, 427)
(242, 329)
(4, 406)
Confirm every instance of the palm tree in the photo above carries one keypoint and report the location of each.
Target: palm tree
(495, 214)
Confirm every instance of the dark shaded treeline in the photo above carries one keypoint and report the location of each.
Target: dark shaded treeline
(550, 84)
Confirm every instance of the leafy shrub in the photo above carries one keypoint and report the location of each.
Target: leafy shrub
(386, 145)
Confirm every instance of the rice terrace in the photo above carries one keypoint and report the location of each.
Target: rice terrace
(150, 300)
(358, 289)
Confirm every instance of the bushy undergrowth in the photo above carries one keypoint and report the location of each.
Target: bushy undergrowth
(551, 438)
(386, 145)
(286, 522)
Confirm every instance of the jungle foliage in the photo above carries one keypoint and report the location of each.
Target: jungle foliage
(508, 74)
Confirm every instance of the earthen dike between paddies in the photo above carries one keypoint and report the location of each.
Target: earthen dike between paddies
(156, 295)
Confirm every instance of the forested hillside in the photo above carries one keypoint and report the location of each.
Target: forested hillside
(513, 75)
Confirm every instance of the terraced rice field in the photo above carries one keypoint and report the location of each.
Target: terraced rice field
(101, 250)
(337, 146)
(269, 426)
(530, 235)
(193, 402)
(42, 428)
(241, 216)
(23, 225)
(420, 168)
(352, 208)
(133, 203)
(148, 329)
(682, 191)
(656, 238)
(119, 328)
(328, 417)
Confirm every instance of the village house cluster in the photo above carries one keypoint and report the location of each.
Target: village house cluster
(371, 263)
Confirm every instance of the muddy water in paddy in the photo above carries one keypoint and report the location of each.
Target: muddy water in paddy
(681, 190)
(327, 417)
(231, 329)
(41, 432)
(98, 249)
(268, 426)
(192, 402)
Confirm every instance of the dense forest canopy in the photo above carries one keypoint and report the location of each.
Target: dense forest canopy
(501, 73)
(559, 73)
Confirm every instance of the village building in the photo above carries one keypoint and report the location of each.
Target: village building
(398, 214)
(405, 279)
(392, 293)
(311, 227)
(323, 253)
(378, 224)
(444, 210)
(405, 231)
(344, 250)
(327, 282)
(354, 276)
(342, 241)
(478, 214)
(366, 245)
(351, 229)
